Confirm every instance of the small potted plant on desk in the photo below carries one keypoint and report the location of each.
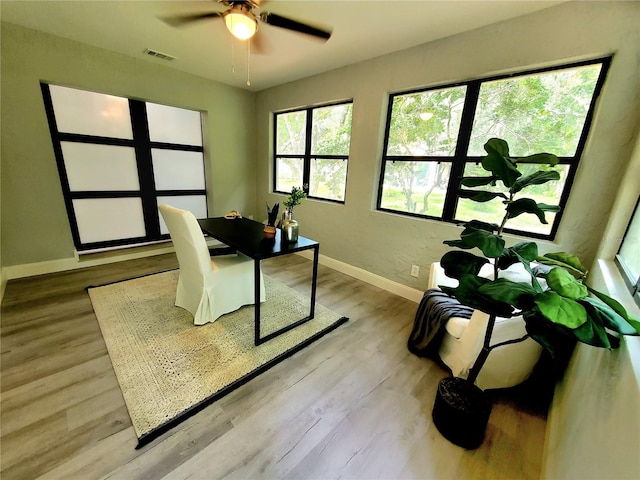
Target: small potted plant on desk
(289, 225)
(557, 312)
(272, 216)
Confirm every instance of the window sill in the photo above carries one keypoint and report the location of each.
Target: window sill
(606, 277)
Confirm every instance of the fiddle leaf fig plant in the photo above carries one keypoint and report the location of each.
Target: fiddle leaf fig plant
(557, 305)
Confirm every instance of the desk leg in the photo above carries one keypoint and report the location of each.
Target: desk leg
(314, 282)
(312, 307)
(256, 298)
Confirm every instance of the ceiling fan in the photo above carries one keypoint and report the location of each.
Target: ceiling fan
(242, 22)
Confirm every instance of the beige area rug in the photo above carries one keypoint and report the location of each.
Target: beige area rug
(169, 369)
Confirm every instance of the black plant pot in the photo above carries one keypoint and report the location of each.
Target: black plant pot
(461, 412)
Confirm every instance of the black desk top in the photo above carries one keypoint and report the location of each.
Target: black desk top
(247, 237)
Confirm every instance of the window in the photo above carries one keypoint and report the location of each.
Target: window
(118, 159)
(312, 149)
(436, 136)
(628, 257)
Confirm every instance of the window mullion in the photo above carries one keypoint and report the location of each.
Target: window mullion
(462, 146)
(62, 172)
(142, 146)
(306, 170)
(274, 185)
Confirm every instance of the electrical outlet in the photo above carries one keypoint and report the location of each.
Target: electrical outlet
(415, 271)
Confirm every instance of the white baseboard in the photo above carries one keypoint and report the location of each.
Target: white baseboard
(371, 278)
(90, 260)
(74, 263)
(41, 268)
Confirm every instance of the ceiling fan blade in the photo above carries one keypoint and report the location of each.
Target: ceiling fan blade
(283, 22)
(181, 20)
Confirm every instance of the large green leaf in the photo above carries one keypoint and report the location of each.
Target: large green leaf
(610, 318)
(557, 340)
(565, 260)
(526, 250)
(565, 284)
(478, 225)
(634, 322)
(593, 331)
(524, 253)
(514, 293)
(534, 279)
(525, 205)
(480, 195)
(561, 310)
(544, 158)
(467, 293)
(507, 259)
(545, 207)
(457, 263)
(617, 307)
(477, 181)
(490, 244)
(502, 168)
(538, 178)
(498, 146)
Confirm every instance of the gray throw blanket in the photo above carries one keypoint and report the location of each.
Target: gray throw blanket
(435, 308)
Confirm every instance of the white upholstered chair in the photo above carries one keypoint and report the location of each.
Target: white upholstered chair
(507, 365)
(207, 288)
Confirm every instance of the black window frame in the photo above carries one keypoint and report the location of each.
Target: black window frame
(460, 157)
(307, 156)
(633, 284)
(148, 194)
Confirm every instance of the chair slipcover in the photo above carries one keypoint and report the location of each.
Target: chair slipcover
(207, 288)
(506, 366)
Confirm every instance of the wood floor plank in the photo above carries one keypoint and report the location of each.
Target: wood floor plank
(33, 391)
(175, 447)
(99, 460)
(51, 449)
(57, 360)
(355, 404)
(67, 396)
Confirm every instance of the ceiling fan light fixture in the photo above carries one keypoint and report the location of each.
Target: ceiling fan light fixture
(241, 23)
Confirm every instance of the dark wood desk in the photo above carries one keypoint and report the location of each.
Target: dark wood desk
(247, 237)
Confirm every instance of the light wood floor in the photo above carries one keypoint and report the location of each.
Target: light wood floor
(355, 404)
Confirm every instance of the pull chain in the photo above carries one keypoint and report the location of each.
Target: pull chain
(233, 61)
(248, 62)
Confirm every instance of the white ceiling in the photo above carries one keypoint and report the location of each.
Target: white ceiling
(361, 30)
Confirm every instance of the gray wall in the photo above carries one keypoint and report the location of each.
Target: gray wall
(599, 396)
(388, 244)
(35, 227)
